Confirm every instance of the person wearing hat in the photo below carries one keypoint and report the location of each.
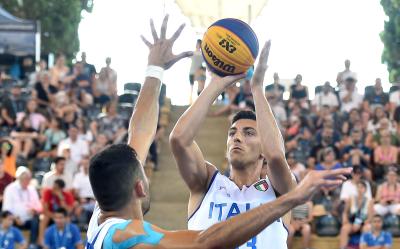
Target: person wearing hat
(349, 96)
(388, 194)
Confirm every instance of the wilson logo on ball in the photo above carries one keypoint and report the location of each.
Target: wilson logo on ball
(218, 62)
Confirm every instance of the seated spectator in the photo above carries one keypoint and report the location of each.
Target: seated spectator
(99, 144)
(9, 153)
(377, 97)
(52, 199)
(274, 92)
(298, 94)
(373, 139)
(112, 124)
(388, 195)
(83, 192)
(301, 146)
(326, 98)
(357, 213)
(84, 132)
(350, 123)
(349, 187)
(62, 234)
(328, 162)
(301, 220)
(5, 180)
(349, 96)
(11, 237)
(384, 155)
(324, 139)
(376, 238)
(59, 71)
(45, 91)
(10, 106)
(58, 172)
(35, 76)
(77, 146)
(357, 154)
(52, 136)
(374, 123)
(297, 168)
(25, 137)
(22, 200)
(38, 121)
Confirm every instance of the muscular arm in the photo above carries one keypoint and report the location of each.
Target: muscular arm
(272, 143)
(187, 154)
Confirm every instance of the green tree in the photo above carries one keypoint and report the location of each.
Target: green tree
(391, 39)
(59, 21)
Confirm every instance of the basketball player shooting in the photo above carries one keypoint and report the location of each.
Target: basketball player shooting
(122, 191)
(252, 138)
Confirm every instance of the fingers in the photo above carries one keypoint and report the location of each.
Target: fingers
(265, 52)
(177, 58)
(331, 183)
(148, 44)
(164, 27)
(177, 33)
(233, 78)
(336, 172)
(153, 30)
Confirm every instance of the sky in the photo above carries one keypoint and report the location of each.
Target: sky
(310, 37)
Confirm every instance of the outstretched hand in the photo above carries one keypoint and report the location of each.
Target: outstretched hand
(161, 50)
(315, 180)
(259, 73)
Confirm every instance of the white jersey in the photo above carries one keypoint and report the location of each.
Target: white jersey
(96, 233)
(224, 199)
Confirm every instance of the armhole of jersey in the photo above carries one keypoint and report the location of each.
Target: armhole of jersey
(208, 188)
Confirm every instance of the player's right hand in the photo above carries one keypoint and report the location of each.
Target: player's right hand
(315, 180)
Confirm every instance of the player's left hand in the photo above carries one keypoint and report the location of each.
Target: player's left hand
(259, 73)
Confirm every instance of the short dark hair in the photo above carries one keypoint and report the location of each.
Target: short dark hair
(58, 159)
(378, 216)
(112, 174)
(5, 214)
(62, 211)
(60, 183)
(244, 115)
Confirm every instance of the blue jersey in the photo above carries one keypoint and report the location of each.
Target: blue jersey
(8, 238)
(383, 239)
(68, 238)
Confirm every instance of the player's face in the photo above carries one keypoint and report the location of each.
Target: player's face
(243, 144)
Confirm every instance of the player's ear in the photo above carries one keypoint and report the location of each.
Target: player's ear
(140, 190)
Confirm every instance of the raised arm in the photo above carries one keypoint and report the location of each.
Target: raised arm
(239, 229)
(143, 123)
(188, 155)
(272, 143)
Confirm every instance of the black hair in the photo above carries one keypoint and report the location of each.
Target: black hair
(9, 145)
(378, 216)
(112, 175)
(5, 214)
(60, 183)
(62, 211)
(58, 159)
(244, 115)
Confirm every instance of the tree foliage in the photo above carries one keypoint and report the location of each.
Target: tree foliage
(59, 20)
(391, 39)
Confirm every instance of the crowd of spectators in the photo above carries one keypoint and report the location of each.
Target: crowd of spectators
(52, 120)
(338, 128)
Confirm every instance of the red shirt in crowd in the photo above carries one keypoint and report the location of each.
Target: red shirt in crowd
(53, 202)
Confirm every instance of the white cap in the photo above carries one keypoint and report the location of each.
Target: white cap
(21, 170)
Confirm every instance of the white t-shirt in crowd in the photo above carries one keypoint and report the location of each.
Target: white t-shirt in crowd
(78, 149)
(395, 98)
(51, 176)
(355, 102)
(81, 184)
(322, 99)
(349, 189)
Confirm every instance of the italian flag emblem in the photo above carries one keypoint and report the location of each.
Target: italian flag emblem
(261, 185)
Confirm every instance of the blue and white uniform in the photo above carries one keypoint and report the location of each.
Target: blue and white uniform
(224, 199)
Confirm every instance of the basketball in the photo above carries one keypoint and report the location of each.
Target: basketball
(229, 47)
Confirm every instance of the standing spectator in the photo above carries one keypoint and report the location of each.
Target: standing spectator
(58, 172)
(301, 220)
(77, 146)
(5, 180)
(11, 106)
(388, 195)
(89, 69)
(112, 124)
(62, 234)
(59, 71)
(376, 238)
(274, 92)
(377, 97)
(22, 200)
(34, 77)
(349, 187)
(349, 96)
(83, 192)
(10, 236)
(357, 212)
(326, 98)
(197, 61)
(298, 94)
(54, 198)
(340, 76)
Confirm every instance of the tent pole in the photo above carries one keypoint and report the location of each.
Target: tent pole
(37, 42)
